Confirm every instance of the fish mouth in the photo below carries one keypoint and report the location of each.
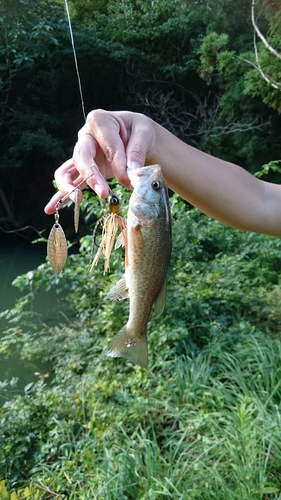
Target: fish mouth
(132, 174)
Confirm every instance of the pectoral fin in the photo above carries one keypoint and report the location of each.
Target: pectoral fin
(119, 291)
(120, 241)
(159, 303)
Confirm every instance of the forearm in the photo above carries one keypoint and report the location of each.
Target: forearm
(218, 188)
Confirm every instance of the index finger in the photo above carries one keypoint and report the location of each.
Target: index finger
(111, 136)
(83, 156)
(67, 177)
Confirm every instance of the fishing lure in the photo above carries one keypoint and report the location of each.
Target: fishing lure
(111, 223)
(76, 210)
(57, 246)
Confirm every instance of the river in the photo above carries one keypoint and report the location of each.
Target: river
(17, 256)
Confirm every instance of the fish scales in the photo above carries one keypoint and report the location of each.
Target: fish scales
(148, 255)
(149, 273)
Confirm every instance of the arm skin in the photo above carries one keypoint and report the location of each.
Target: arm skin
(218, 188)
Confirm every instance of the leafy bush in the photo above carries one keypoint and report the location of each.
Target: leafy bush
(203, 422)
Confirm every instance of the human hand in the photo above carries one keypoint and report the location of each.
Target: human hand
(108, 143)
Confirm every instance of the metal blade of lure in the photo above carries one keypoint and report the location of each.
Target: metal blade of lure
(76, 211)
(57, 246)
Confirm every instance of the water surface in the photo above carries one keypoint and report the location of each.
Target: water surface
(18, 256)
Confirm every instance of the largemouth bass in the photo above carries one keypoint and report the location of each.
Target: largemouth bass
(147, 256)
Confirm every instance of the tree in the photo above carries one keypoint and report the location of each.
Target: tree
(182, 62)
(267, 62)
(34, 52)
(262, 58)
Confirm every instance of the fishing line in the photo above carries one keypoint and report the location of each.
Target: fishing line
(75, 59)
(57, 244)
(93, 166)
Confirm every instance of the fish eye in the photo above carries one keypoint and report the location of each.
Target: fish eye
(156, 185)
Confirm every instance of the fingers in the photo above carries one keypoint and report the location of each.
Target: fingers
(85, 151)
(142, 140)
(111, 141)
(107, 144)
(66, 175)
(50, 208)
(67, 179)
(110, 135)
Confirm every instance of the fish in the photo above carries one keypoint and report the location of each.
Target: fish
(147, 256)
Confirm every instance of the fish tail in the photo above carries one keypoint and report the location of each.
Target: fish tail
(126, 345)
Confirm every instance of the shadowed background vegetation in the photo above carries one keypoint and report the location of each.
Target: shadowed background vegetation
(203, 422)
(189, 65)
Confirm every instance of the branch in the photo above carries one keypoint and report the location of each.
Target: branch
(194, 127)
(272, 83)
(7, 217)
(260, 35)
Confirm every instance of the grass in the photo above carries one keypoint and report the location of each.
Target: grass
(211, 432)
(203, 423)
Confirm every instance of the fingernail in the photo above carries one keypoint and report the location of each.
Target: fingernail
(101, 191)
(72, 197)
(133, 164)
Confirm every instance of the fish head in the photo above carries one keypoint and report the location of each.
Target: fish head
(149, 199)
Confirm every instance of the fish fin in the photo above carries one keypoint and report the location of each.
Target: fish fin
(126, 345)
(119, 291)
(159, 304)
(120, 241)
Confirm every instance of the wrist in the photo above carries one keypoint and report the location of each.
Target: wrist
(153, 155)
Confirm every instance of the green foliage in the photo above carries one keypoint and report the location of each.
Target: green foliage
(210, 48)
(84, 10)
(271, 12)
(203, 422)
(186, 64)
(228, 60)
(30, 35)
(272, 166)
(270, 65)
